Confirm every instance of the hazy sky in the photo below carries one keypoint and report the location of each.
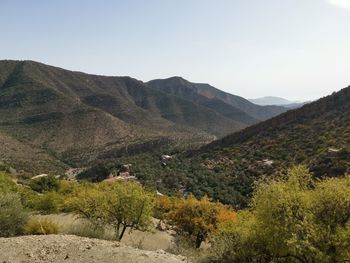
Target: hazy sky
(298, 49)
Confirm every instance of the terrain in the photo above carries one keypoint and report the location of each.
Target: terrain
(68, 248)
(316, 135)
(52, 119)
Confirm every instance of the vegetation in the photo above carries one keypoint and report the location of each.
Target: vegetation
(316, 135)
(12, 215)
(40, 226)
(278, 213)
(114, 114)
(122, 205)
(47, 203)
(293, 220)
(199, 218)
(141, 123)
(45, 184)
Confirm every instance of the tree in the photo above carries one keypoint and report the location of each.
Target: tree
(122, 205)
(199, 218)
(330, 208)
(291, 220)
(12, 215)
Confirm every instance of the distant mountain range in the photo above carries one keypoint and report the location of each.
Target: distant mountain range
(277, 101)
(52, 119)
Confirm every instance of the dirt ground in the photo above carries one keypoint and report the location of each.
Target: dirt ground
(152, 240)
(69, 249)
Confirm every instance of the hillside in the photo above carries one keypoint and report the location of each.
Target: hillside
(317, 135)
(229, 105)
(51, 117)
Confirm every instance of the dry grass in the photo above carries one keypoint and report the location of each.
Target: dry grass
(41, 226)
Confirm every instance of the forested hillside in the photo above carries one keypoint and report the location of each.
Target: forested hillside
(317, 135)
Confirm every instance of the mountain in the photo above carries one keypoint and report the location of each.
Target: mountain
(277, 101)
(296, 105)
(52, 119)
(316, 135)
(225, 103)
(270, 100)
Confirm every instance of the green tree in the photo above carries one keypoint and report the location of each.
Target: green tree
(122, 205)
(292, 220)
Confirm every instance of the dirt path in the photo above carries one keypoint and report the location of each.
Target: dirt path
(69, 249)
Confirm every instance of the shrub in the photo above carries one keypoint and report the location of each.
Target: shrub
(48, 203)
(6, 184)
(40, 226)
(12, 215)
(293, 220)
(45, 184)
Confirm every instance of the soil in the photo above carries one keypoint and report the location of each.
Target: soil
(69, 249)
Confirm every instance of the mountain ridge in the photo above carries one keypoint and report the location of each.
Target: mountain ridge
(73, 116)
(174, 85)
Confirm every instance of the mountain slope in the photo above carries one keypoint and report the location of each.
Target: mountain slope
(316, 135)
(72, 117)
(204, 94)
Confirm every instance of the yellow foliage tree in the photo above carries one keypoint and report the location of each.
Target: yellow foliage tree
(199, 218)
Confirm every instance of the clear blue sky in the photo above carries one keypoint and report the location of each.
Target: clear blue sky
(298, 49)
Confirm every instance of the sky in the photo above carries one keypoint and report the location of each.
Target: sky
(296, 49)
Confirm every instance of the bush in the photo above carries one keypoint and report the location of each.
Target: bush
(48, 203)
(40, 226)
(12, 215)
(293, 220)
(6, 184)
(45, 184)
